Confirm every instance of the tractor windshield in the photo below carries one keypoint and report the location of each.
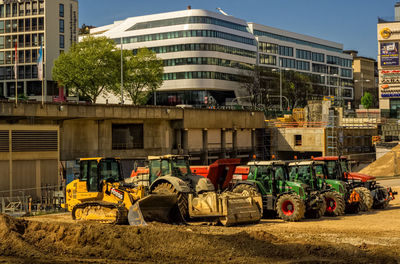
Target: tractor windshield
(181, 168)
(109, 170)
(281, 173)
(344, 165)
(332, 169)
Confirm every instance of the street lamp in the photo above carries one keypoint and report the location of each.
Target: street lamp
(280, 86)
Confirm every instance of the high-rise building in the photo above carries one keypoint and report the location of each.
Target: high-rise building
(25, 27)
(206, 55)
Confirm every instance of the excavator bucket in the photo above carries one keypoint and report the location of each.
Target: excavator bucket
(154, 207)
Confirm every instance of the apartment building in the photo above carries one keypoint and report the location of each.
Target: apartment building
(25, 27)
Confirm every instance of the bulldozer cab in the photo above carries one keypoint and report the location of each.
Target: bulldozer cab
(96, 170)
(177, 166)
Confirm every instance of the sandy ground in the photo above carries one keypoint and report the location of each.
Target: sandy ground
(372, 237)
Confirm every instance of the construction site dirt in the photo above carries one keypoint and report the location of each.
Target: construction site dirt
(371, 237)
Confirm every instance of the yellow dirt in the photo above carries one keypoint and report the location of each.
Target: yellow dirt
(371, 237)
(386, 166)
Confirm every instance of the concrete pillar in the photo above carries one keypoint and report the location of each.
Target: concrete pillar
(234, 144)
(223, 144)
(178, 139)
(185, 141)
(205, 147)
(253, 143)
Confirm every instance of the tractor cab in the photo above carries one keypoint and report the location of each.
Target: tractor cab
(312, 173)
(169, 165)
(94, 171)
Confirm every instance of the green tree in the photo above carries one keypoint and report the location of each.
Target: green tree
(297, 88)
(89, 68)
(367, 100)
(142, 75)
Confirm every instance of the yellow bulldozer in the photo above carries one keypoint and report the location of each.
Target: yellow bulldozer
(100, 194)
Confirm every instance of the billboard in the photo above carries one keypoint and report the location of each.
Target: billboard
(390, 54)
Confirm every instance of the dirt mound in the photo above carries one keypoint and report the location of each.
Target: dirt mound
(45, 242)
(386, 166)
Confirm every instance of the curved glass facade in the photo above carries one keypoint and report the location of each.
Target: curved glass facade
(188, 20)
(202, 47)
(202, 75)
(187, 34)
(208, 61)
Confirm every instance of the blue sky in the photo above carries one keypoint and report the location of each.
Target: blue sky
(350, 22)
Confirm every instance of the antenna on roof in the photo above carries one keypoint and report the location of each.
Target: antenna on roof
(222, 11)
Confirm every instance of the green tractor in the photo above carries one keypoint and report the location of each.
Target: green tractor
(290, 200)
(339, 196)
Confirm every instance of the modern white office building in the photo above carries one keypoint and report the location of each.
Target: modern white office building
(206, 53)
(31, 24)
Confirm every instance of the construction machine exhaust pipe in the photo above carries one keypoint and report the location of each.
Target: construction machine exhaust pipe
(155, 207)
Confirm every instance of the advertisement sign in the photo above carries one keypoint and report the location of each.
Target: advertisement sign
(390, 54)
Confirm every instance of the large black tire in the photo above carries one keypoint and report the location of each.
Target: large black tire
(366, 197)
(317, 213)
(181, 212)
(335, 204)
(290, 207)
(381, 201)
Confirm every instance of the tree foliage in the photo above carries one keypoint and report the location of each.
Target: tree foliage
(142, 75)
(367, 100)
(89, 67)
(296, 87)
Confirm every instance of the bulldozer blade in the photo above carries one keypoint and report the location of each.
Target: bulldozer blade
(154, 207)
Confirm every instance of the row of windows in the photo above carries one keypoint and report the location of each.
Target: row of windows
(26, 8)
(208, 61)
(294, 40)
(21, 25)
(338, 61)
(187, 34)
(268, 47)
(303, 54)
(303, 65)
(286, 51)
(24, 72)
(202, 75)
(24, 56)
(188, 20)
(202, 47)
(24, 41)
(321, 68)
(267, 59)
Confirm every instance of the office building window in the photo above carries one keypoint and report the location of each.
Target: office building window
(319, 68)
(62, 42)
(288, 63)
(61, 10)
(268, 47)
(303, 54)
(61, 25)
(285, 51)
(320, 57)
(267, 59)
(303, 65)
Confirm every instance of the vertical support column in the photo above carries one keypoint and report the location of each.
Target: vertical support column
(185, 141)
(253, 142)
(223, 143)
(38, 184)
(178, 140)
(234, 143)
(205, 147)
(10, 150)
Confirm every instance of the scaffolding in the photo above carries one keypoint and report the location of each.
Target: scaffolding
(332, 134)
